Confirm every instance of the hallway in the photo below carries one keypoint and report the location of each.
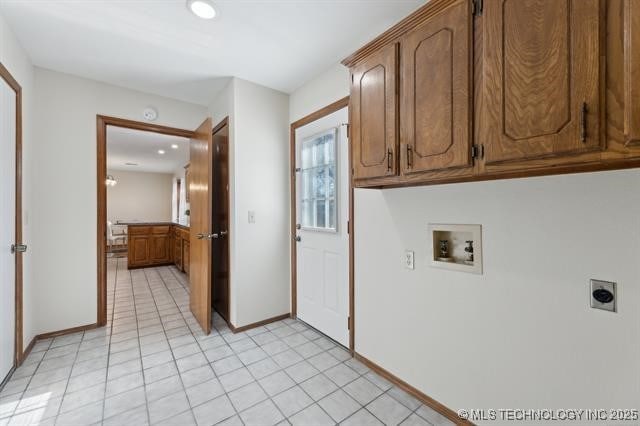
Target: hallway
(152, 365)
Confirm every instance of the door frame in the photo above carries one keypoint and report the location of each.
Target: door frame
(102, 122)
(216, 128)
(314, 116)
(18, 337)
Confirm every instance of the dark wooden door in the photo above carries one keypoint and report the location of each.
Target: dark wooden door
(197, 257)
(541, 76)
(374, 104)
(220, 217)
(436, 93)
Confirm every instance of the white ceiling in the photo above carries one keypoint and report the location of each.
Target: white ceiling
(158, 46)
(141, 148)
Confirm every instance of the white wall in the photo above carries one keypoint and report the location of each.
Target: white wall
(258, 181)
(522, 334)
(261, 270)
(140, 196)
(64, 187)
(13, 57)
(328, 87)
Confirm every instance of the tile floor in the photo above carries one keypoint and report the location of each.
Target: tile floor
(153, 365)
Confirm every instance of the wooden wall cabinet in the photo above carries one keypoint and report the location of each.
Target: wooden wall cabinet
(374, 105)
(632, 72)
(436, 92)
(497, 89)
(541, 71)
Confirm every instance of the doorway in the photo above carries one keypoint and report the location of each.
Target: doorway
(220, 267)
(11, 345)
(146, 215)
(321, 203)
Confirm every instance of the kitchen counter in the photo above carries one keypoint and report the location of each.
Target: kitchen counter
(153, 224)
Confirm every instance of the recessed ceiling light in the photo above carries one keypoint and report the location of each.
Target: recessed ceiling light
(161, 151)
(202, 8)
(174, 146)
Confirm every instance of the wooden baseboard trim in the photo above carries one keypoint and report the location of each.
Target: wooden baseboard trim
(425, 399)
(258, 324)
(66, 331)
(27, 350)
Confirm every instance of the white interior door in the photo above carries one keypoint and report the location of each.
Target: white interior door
(7, 226)
(322, 194)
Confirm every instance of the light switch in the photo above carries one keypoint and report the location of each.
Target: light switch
(409, 256)
(252, 216)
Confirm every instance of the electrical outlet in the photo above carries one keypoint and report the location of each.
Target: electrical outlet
(252, 216)
(603, 295)
(409, 259)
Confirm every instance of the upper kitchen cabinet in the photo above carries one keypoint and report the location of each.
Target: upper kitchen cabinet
(373, 111)
(632, 72)
(541, 78)
(436, 94)
(495, 89)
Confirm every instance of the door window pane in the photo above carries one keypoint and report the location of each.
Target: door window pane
(318, 181)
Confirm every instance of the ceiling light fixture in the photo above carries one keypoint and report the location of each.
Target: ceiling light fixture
(174, 146)
(111, 181)
(161, 151)
(202, 8)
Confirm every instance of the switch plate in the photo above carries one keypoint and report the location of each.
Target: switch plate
(603, 295)
(252, 216)
(409, 257)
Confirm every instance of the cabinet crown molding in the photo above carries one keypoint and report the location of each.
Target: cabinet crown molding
(430, 9)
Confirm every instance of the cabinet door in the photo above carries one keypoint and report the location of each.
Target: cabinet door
(139, 249)
(541, 78)
(159, 248)
(436, 93)
(177, 251)
(374, 114)
(186, 262)
(632, 72)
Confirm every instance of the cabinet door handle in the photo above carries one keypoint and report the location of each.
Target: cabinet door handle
(389, 159)
(409, 156)
(583, 122)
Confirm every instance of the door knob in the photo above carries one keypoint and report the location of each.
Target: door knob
(18, 248)
(206, 236)
(298, 238)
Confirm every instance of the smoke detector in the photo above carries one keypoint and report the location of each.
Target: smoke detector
(150, 113)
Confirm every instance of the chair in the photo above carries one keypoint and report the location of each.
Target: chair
(113, 238)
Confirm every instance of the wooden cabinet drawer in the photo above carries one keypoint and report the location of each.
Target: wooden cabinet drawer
(139, 230)
(161, 229)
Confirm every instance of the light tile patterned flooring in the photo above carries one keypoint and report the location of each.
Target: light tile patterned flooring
(153, 365)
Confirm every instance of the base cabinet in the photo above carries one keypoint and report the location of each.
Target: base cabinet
(155, 245)
(138, 250)
(185, 256)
